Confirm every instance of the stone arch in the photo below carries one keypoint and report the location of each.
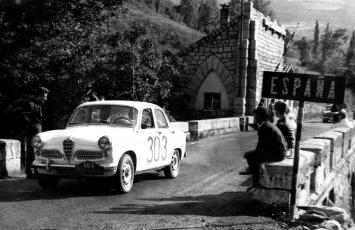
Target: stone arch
(211, 64)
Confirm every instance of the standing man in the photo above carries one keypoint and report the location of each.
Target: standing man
(271, 145)
(33, 114)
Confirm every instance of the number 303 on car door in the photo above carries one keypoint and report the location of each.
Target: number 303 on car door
(157, 149)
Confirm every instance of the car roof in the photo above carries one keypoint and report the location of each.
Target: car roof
(136, 104)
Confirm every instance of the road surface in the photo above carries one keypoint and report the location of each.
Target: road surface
(208, 194)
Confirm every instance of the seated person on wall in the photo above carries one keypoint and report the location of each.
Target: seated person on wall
(271, 145)
(285, 125)
(343, 121)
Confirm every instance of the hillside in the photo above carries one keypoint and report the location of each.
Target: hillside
(169, 34)
(339, 13)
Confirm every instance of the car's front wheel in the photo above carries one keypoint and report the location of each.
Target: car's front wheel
(172, 170)
(125, 174)
(48, 182)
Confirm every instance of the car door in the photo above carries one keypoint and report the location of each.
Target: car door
(149, 142)
(165, 138)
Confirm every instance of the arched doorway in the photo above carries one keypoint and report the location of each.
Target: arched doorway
(212, 95)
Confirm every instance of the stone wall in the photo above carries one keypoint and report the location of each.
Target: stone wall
(10, 158)
(238, 62)
(266, 47)
(199, 129)
(326, 172)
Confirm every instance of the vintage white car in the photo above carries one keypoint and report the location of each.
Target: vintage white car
(116, 139)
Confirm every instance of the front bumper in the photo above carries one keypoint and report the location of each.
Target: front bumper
(72, 171)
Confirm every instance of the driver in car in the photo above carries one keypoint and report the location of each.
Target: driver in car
(105, 114)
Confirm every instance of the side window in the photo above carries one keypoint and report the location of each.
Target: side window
(161, 120)
(147, 119)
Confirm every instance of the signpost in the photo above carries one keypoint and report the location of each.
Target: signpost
(302, 87)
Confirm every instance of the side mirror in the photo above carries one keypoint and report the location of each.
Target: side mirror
(144, 126)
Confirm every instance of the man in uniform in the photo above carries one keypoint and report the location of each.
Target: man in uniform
(33, 114)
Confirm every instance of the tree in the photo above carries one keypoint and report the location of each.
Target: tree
(157, 5)
(304, 47)
(316, 40)
(69, 46)
(188, 10)
(331, 48)
(207, 15)
(264, 6)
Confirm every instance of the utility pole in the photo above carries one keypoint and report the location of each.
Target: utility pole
(133, 73)
(241, 48)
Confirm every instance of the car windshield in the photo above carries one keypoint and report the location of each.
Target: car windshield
(119, 115)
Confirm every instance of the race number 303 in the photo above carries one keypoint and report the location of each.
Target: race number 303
(157, 149)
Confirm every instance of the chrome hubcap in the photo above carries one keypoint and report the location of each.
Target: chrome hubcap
(174, 162)
(126, 174)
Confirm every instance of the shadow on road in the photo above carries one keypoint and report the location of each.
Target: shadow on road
(224, 204)
(23, 190)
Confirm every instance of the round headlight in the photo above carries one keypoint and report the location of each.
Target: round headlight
(104, 143)
(37, 143)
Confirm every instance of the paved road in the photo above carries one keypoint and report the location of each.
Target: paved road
(208, 194)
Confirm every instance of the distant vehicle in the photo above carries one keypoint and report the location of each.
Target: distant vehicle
(110, 139)
(330, 113)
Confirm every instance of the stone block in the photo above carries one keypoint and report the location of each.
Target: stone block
(250, 120)
(320, 147)
(336, 147)
(318, 178)
(10, 157)
(353, 133)
(282, 197)
(278, 175)
(346, 139)
(204, 69)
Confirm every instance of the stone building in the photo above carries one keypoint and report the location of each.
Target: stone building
(225, 68)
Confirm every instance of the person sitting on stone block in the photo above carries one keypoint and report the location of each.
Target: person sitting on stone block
(271, 146)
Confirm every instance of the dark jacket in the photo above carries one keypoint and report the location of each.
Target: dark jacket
(287, 131)
(271, 143)
(33, 116)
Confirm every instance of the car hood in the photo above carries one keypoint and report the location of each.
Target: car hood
(83, 135)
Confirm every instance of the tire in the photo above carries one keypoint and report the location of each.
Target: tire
(172, 170)
(125, 174)
(48, 182)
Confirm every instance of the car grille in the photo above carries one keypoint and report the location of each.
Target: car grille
(68, 147)
(51, 154)
(89, 155)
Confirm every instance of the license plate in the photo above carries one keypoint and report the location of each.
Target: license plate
(88, 167)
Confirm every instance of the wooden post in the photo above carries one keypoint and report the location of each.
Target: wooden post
(296, 160)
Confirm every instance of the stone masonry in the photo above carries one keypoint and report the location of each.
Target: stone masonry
(237, 62)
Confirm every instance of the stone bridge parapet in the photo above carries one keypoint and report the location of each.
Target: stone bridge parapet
(326, 173)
